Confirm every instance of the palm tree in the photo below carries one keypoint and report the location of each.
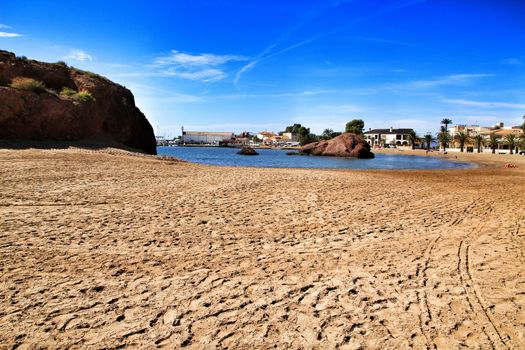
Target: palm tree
(521, 142)
(493, 142)
(413, 138)
(461, 137)
(511, 140)
(428, 140)
(479, 140)
(444, 139)
(446, 122)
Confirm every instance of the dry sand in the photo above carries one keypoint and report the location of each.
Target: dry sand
(104, 250)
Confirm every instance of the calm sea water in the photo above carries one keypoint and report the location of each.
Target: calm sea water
(269, 158)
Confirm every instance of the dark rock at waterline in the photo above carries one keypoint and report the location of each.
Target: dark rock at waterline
(248, 151)
(344, 145)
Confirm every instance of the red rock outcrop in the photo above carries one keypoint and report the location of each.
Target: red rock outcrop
(112, 118)
(344, 145)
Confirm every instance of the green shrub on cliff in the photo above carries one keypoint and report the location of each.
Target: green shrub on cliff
(28, 84)
(67, 92)
(84, 96)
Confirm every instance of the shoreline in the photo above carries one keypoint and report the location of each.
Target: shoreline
(483, 159)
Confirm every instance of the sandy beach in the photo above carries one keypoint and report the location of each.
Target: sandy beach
(106, 250)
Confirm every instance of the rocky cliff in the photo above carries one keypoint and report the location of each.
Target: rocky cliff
(53, 102)
(344, 145)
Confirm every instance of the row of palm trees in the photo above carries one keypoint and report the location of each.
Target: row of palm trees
(514, 142)
(463, 138)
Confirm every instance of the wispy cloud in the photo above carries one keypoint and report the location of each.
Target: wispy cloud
(513, 61)
(272, 50)
(190, 60)
(266, 56)
(485, 104)
(449, 80)
(78, 55)
(9, 35)
(404, 3)
(205, 67)
(299, 94)
(210, 74)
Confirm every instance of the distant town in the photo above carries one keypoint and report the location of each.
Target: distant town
(470, 138)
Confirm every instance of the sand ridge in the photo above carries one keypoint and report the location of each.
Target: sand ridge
(108, 250)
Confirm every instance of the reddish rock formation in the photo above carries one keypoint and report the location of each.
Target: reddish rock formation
(112, 118)
(344, 145)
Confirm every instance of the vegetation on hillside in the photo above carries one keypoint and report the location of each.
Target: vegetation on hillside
(28, 84)
(67, 92)
(82, 96)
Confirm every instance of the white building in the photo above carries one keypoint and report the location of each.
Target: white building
(399, 137)
(205, 137)
(471, 130)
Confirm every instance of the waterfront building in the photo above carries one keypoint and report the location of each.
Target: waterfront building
(391, 136)
(207, 137)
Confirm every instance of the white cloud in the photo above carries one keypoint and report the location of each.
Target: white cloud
(3, 26)
(423, 86)
(189, 60)
(207, 75)
(9, 35)
(485, 104)
(78, 55)
(205, 67)
(449, 80)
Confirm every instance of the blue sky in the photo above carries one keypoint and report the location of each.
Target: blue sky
(261, 65)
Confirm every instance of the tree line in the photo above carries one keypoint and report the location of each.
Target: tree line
(305, 136)
(443, 137)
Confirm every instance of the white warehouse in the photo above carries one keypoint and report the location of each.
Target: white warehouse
(205, 137)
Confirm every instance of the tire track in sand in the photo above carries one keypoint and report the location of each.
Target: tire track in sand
(425, 315)
(474, 298)
(516, 236)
